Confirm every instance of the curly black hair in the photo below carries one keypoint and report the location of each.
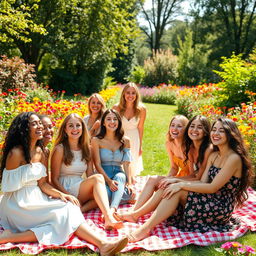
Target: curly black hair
(18, 135)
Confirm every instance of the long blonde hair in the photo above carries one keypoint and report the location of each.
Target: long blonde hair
(101, 100)
(183, 120)
(84, 142)
(137, 104)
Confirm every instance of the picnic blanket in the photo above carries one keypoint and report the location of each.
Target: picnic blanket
(162, 237)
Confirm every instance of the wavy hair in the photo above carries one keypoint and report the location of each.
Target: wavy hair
(102, 102)
(236, 143)
(18, 135)
(119, 132)
(205, 141)
(183, 120)
(137, 104)
(83, 142)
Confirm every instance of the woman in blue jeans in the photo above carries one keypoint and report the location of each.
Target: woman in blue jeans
(112, 157)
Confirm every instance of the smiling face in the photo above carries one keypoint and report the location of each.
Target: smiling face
(111, 122)
(74, 128)
(130, 94)
(95, 105)
(218, 134)
(176, 129)
(196, 130)
(48, 130)
(35, 128)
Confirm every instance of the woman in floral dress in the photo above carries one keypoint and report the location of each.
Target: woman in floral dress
(204, 205)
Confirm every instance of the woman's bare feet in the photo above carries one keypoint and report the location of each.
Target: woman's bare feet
(4, 236)
(138, 235)
(112, 248)
(126, 217)
(111, 222)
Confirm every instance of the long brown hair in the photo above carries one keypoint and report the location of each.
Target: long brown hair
(84, 142)
(101, 100)
(137, 104)
(236, 143)
(119, 132)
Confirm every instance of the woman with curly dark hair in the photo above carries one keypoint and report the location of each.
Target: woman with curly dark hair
(208, 204)
(111, 154)
(27, 213)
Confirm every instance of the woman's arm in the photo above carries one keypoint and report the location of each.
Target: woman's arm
(51, 191)
(143, 113)
(174, 168)
(56, 162)
(89, 171)
(94, 129)
(127, 164)
(232, 166)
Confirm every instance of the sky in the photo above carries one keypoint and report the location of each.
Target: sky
(147, 5)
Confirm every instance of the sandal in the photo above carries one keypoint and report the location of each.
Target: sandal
(117, 248)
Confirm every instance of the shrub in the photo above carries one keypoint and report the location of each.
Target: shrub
(162, 95)
(137, 75)
(15, 73)
(239, 76)
(39, 92)
(161, 68)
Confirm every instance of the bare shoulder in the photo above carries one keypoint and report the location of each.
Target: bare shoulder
(235, 159)
(116, 107)
(126, 142)
(58, 149)
(95, 141)
(15, 158)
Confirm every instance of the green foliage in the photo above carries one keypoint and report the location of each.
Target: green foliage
(16, 22)
(161, 68)
(192, 61)
(137, 75)
(43, 94)
(15, 73)
(238, 77)
(108, 81)
(184, 106)
(161, 95)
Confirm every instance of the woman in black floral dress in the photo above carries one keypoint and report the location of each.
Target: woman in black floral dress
(207, 204)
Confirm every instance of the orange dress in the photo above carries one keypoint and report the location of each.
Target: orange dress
(183, 167)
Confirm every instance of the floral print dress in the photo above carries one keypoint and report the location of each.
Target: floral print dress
(208, 212)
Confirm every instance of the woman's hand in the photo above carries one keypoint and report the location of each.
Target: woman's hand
(113, 185)
(72, 199)
(130, 189)
(171, 189)
(163, 183)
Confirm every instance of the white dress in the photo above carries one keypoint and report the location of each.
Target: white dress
(71, 175)
(25, 207)
(132, 132)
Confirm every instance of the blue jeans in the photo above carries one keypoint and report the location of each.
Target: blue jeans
(122, 194)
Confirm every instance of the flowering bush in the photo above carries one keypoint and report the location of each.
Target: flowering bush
(235, 248)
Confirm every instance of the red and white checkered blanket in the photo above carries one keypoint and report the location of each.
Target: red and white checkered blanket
(162, 237)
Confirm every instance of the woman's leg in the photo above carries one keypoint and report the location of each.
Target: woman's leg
(94, 187)
(148, 190)
(89, 205)
(106, 248)
(148, 207)
(165, 209)
(23, 237)
(120, 177)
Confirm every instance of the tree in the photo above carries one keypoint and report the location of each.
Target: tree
(16, 23)
(233, 23)
(158, 18)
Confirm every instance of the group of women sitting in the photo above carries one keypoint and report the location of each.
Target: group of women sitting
(94, 163)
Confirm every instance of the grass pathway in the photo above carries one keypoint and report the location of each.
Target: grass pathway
(155, 162)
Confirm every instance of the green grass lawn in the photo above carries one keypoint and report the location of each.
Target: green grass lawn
(155, 161)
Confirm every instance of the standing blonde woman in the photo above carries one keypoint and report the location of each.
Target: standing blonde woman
(133, 114)
(96, 108)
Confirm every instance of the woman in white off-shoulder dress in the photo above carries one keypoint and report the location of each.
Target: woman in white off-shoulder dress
(27, 213)
(71, 158)
(133, 114)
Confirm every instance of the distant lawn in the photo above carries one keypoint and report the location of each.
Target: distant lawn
(155, 162)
